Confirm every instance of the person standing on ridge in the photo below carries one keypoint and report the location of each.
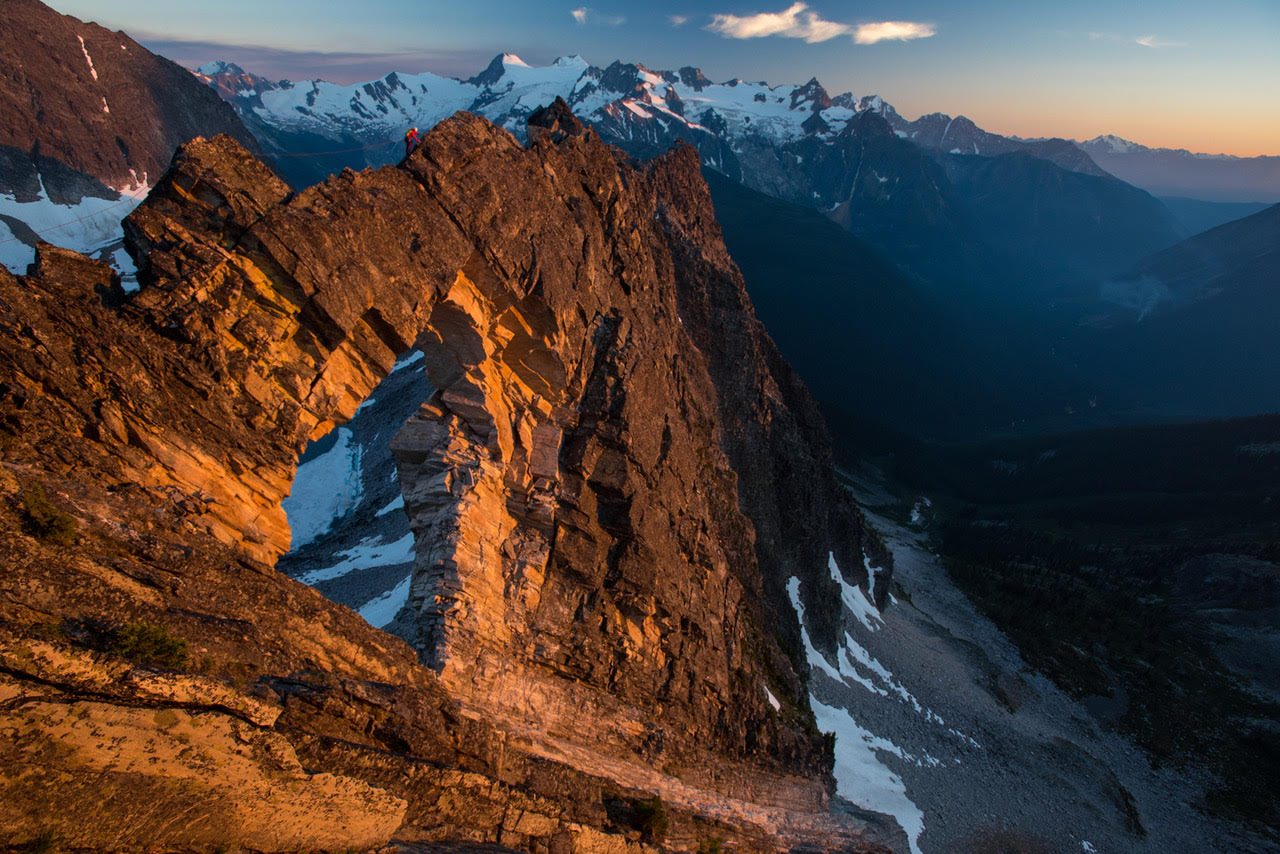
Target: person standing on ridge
(411, 140)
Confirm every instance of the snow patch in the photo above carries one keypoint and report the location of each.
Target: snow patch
(636, 108)
(773, 701)
(382, 610)
(127, 270)
(395, 504)
(849, 657)
(860, 775)
(853, 653)
(412, 358)
(853, 597)
(87, 57)
(1115, 144)
(815, 658)
(325, 489)
(88, 226)
(368, 554)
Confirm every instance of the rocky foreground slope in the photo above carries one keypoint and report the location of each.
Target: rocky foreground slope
(609, 490)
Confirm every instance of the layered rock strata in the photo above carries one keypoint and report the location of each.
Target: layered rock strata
(585, 486)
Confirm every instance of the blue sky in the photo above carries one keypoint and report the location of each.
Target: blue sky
(1180, 73)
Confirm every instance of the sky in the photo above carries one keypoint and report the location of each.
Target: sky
(1166, 73)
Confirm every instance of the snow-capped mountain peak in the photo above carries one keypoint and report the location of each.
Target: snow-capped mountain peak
(231, 81)
(1112, 144)
(641, 109)
(627, 101)
(218, 66)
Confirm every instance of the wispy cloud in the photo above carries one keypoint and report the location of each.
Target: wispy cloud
(1157, 42)
(798, 21)
(893, 31)
(1144, 41)
(678, 20)
(794, 22)
(586, 15)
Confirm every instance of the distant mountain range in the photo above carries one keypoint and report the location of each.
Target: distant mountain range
(959, 135)
(1192, 329)
(627, 102)
(1178, 172)
(950, 203)
(647, 108)
(1001, 245)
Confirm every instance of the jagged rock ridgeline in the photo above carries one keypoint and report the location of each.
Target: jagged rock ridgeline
(597, 564)
(934, 194)
(740, 127)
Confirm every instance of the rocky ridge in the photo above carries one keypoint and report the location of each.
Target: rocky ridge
(595, 540)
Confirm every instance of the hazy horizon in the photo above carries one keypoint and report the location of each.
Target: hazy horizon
(1171, 76)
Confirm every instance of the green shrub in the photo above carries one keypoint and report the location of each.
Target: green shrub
(150, 645)
(652, 819)
(711, 845)
(44, 843)
(44, 520)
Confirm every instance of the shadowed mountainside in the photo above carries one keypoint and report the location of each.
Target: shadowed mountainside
(1192, 328)
(97, 101)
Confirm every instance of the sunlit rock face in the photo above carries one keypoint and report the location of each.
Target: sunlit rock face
(609, 486)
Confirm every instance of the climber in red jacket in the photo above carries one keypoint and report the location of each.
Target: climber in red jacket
(411, 141)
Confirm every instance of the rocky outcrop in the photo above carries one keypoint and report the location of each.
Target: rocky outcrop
(599, 544)
(287, 724)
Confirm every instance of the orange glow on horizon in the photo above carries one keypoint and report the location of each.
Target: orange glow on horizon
(1199, 139)
(1228, 119)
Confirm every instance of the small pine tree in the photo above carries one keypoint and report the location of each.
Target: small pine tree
(652, 820)
(150, 645)
(45, 521)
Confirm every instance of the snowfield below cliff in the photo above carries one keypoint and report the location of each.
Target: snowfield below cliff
(92, 226)
(940, 724)
(351, 537)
